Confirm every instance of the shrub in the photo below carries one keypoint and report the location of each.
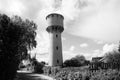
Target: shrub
(38, 68)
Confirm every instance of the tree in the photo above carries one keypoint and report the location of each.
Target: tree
(76, 61)
(80, 58)
(38, 66)
(71, 63)
(17, 36)
(119, 47)
(113, 57)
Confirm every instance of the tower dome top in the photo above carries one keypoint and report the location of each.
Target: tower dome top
(54, 14)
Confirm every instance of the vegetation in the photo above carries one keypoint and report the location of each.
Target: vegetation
(17, 36)
(113, 57)
(76, 61)
(78, 73)
(32, 65)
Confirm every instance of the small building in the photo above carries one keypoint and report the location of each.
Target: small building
(96, 59)
(98, 63)
(101, 63)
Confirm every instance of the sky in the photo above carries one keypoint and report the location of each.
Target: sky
(91, 27)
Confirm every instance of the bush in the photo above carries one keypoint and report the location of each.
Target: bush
(35, 66)
(38, 68)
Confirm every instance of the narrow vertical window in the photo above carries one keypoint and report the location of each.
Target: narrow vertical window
(57, 47)
(56, 35)
(57, 61)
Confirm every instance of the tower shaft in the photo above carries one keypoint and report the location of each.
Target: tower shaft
(55, 49)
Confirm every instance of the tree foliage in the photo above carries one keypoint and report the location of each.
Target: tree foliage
(80, 58)
(113, 57)
(76, 61)
(17, 36)
(71, 63)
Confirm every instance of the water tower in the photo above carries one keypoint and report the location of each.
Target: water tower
(55, 28)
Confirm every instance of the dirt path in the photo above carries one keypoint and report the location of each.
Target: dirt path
(31, 76)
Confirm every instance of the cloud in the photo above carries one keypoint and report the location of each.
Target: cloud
(63, 38)
(72, 48)
(110, 47)
(98, 53)
(42, 43)
(88, 18)
(98, 20)
(106, 48)
(43, 57)
(68, 55)
(12, 7)
(83, 45)
(94, 53)
(99, 41)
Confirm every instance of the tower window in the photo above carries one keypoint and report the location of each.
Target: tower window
(56, 35)
(57, 61)
(57, 47)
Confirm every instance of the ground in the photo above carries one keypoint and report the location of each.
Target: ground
(22, 75)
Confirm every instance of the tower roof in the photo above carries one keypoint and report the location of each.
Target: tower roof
(52, 14)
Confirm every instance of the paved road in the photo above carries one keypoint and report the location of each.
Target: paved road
(31, 76)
